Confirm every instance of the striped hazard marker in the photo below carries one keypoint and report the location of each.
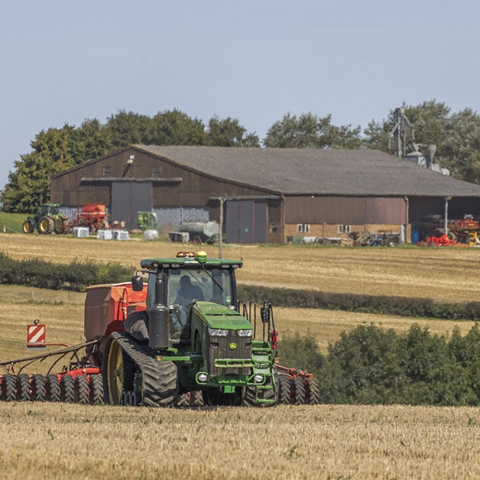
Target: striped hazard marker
(36, 335)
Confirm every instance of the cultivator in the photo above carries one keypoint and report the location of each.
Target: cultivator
(183, 341)
(76, 383)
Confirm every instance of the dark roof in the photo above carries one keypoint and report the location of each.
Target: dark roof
(293, 171)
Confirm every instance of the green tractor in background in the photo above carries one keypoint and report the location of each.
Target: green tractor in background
(147, 221)
(47, 220)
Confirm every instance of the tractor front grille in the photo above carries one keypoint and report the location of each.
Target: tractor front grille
(219, 348)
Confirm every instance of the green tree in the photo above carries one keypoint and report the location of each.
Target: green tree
(302, 353)
(174, 127)
(29, 184)
(311, 131)
(228, 132)
(460, 149)
(128, 128)
(91, 140)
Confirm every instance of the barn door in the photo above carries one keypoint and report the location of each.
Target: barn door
(129, 198)
(246, 221)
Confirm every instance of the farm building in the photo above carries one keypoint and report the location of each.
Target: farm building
(268, 194)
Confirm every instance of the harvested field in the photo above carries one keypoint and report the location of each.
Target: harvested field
(327, 325)
(337, 442)
(448, 274)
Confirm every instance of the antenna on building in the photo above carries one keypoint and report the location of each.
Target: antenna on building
(404, 146)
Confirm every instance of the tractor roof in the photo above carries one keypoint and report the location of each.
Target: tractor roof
(190, 260)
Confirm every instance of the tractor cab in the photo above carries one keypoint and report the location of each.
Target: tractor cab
(49, 209)
(186, 280)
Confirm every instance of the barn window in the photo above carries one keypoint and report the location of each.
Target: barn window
(303, 228)
(107, 171)
(156, 171)
(344, 228)
(273, 228)
(300, 228)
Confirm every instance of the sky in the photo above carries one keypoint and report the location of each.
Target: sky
(62, 62)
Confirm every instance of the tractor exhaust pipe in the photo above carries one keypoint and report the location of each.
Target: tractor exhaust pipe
(158, 331)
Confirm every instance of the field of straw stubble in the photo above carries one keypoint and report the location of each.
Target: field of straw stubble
(330, 442)
(334, 442)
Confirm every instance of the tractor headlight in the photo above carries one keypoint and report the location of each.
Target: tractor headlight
(258, 378)
(202, 377)
(244, 333)
(217, 332)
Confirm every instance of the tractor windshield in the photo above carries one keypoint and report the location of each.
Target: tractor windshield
(211, 285)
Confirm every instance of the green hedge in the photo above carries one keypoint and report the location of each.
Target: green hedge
(371, 365)
(405, 306)
(74, 276)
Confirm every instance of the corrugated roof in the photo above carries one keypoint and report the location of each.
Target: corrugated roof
(293, 171)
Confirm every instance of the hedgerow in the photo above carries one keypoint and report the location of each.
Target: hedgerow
(386, 305)
(75, 276)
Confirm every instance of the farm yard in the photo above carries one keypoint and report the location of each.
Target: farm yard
(322, 441)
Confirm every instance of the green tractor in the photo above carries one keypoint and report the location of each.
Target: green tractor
(147, 221)
(47, 220)
(192, 346)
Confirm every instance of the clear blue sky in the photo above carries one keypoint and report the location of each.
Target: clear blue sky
(255, 60)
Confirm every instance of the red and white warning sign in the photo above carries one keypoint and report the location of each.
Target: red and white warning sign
(36, 335)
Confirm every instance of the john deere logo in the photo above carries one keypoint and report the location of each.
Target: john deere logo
(233, 346)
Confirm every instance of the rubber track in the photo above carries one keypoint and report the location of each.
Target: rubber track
(160, 380)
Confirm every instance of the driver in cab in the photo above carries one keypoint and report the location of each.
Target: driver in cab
(188, 292)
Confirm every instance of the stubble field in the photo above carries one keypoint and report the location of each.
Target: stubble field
(334, 442)
(449, 274)
(325, 442)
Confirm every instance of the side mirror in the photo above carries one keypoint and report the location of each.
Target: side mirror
(137, 283)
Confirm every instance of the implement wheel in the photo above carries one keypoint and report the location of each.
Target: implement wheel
(312, 391)
(53, 388)
(96, 388)
(38, 388)
(45, 225)
(299, 386)
(24, 388)
(68, 389)
(284, 387)
(82, 390)
(10, 387)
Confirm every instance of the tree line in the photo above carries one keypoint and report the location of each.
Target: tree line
(456, 135)
(372, 365)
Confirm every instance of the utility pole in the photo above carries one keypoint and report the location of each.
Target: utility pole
(220, 235)
(445, 219)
